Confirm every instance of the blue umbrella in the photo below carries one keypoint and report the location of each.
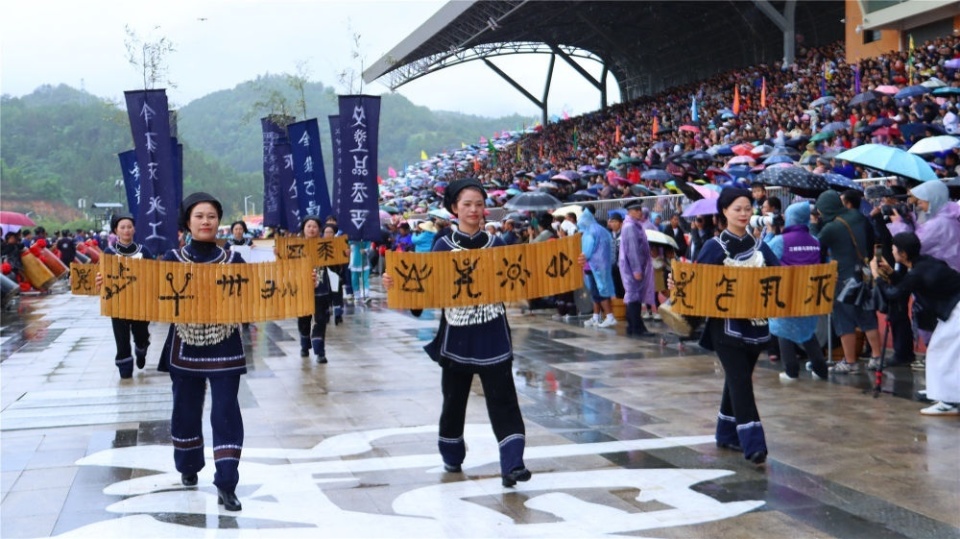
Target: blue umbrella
(656, 175)
(774, 159)
(840, 182)
(912, 91)
(913, 129)
(946, 91)
(891, 160)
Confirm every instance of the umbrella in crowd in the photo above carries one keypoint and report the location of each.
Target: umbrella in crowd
(640, 191)
(689, 128)
(822, 101)
(822, 135)
(835, 126)
(946, 92)
(656, 175)
(533, 201)
(659, 238)
(774, 159)
(933, 83)
(743, 149)
(862, 98)
(886, 89)
(891, 160)
(704, 206)
(797, 180)
(572, 208)
(840, 183)
(740, 160)
(953, 187)
(921, 129)
(12, 218)
(584, 195)
(937, 144)
(763, 149)
(911, 91)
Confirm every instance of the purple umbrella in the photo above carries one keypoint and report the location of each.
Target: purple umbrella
(706, 206)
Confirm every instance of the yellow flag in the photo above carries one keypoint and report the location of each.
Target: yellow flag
(423, 155)
(463, 145)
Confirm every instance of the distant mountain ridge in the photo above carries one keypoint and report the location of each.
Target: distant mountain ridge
(60, 143)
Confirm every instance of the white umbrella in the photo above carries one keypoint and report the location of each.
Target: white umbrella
(933, 82)
(655, 236)
(936, 144)
(573, 208)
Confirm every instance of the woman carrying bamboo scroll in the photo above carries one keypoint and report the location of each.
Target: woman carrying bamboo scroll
(737, 341)
(123, 226)
(472, 341)
(198, 354)
(323, 294)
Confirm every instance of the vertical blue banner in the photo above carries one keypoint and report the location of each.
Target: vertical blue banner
(157, 211)
(308, 168)
(337, 164)
(289, 195)
(131, 179)
(359, 215)
(273, 135)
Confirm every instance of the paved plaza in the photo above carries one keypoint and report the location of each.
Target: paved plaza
(619, 439)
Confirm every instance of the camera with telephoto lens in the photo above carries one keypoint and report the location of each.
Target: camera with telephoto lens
(904, 210)
(770, 219)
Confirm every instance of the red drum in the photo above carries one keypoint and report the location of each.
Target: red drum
(53, 262)
(90, 252)
(39, 276)
(81, 258)
(8, 287)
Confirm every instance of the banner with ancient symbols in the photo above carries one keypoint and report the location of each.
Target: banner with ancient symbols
(736, 292)
(478, 276)
(136, 289)
(320, 251)
(83, 279)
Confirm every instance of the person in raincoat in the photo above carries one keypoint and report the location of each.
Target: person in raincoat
(596, 245)
(636, 269)
(939, 233)
(423, 240)
(795, 246)
(360, 269)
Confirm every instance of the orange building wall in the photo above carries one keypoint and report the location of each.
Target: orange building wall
(856, 49)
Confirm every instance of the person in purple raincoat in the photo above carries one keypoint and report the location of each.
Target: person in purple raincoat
(636, 269)
(596, 245)
(939, 233)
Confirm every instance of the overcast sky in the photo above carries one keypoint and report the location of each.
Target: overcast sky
(221, 43)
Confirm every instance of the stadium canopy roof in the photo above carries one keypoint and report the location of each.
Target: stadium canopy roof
(647, 46)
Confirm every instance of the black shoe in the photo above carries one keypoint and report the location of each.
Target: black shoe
(188, 479)
(520, 474)
(337, 320)
(731, 447)
(228, 500)
(321, 359)
(141, 360)
(126, 375)
(452, 468)
(922, 396)
(304, 353)
(758, 458)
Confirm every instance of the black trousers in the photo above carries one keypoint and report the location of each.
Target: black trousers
(186, 426)
(739, 421)
(900, 326)
(321, 317)
(791, 365)
(502, 408)
(121, 334)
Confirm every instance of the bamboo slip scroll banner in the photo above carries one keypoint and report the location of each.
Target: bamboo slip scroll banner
(478, 276)
(83, 279)
(205, 293)
(769, 292)
(321, 251)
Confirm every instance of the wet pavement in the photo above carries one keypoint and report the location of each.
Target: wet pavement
(619, 439)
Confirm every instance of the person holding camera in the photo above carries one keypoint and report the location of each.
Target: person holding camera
(887, 202)
(936, 286)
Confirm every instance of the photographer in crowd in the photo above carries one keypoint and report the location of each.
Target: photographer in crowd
(888, 201)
